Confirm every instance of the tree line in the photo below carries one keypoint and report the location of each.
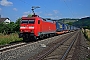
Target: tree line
(11, 27)
(83, 23)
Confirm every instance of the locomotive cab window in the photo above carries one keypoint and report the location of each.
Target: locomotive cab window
(38, 21)
(31, 21)
(28, 21)
(24, 21)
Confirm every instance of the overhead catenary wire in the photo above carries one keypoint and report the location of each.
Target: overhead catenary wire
(46, 12)
(24, 1)
(69, 8)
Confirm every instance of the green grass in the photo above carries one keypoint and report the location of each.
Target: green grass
(6, 39)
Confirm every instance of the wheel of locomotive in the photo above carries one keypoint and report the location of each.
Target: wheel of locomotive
(23, 39)
(26, 39)
(41, 37)
(53, 35)
(34, 38)
(47, 35)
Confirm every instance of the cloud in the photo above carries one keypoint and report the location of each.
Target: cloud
(49, 14)
(55, 11)
(87, 16)
(26, 13)
(53, 16)
(82, 16)
(5, 3)
(15, 9)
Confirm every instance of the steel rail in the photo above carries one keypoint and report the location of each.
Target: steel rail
(40, 57)
(69, 48)
(11, 47)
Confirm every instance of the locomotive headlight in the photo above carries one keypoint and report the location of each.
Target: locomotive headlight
(22, 27)
(31, 27)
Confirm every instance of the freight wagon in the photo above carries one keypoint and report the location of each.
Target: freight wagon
(61, 28)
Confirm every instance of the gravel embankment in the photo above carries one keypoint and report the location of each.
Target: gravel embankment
(25, 52)
(80, 51)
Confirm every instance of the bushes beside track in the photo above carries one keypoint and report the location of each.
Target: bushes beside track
(87, 34)
(7, 39)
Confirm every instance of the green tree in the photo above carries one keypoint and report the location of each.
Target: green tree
(83, 22)
(29, 15)
(18, 21)
(11, 27)
(70, 23)
(17, 24)
(4, 28)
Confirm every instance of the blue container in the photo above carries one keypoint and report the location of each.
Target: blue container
(67, 26)
(71, 28)
(59, 26)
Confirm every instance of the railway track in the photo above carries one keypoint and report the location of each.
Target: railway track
(53, 49)
(57, 50)
(11, 46)
(81, 50)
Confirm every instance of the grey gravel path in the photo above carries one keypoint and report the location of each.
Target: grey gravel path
(25, 52)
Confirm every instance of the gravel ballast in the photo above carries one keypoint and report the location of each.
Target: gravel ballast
(25, 52)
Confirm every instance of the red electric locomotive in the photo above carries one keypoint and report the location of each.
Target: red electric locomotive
(35, 27)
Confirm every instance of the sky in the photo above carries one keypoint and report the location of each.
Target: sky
(55, 9)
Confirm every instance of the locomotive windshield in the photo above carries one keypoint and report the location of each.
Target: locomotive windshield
(28, 21)
(31, 21)
(24, 21)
